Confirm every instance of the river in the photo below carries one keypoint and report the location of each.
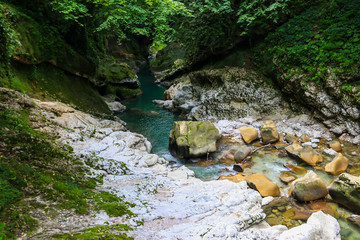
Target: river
(155, 123)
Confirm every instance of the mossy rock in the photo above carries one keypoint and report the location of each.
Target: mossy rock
(193, 138)
(35, 42)
(112, 71)
(170, 56)
(46, 82)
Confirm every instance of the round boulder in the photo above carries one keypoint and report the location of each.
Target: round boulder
(308, 188)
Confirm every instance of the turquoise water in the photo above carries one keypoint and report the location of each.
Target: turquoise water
(155, 123)
(146, 118)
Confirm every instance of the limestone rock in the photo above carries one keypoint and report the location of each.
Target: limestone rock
(269, 133)
(304, 138)
(354, 219)
(116, 107)
(291, 138)
(346, 191)
(295, 169)
(314, 229)
(338, 165)
(310, 156)
(193, 138)
(257, 181)
(264, 185)
(335, 145)
(308, 188)
(287, 177)
(242, 153)
(249, 134)
(306, 154)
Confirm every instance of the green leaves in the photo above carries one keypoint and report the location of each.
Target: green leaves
(123, 18)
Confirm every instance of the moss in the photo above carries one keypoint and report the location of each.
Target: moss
(46, 82)
(32, 164)
(123, 92)
(113, 232)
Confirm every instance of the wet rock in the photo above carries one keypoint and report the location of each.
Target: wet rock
(304, 138)
(330, 151)
(237, 168)
(306, 154)
(314, 229)
(262, 184)
(354, 219)
(308, 188)
(310, 156)
(338, 165)
(297, 214)
(290, 138)
(295, 169)
(242, 153)
(249, 134)
(193, 138)
(167, 104)
(323, 206)
(335, 145)
(116, 107)
(256, 181)
(346, 191)
(269, 133)
(287, 177)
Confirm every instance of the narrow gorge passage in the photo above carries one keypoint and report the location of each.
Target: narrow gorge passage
(155, 123)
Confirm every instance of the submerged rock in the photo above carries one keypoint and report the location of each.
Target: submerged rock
(306, 154)
(346, 191)
(319, 226)
(291, 138)
(287, 177)
(338, 165)
(269, 133)
(335, 145)
(249, 134)
(308, 188)
(193, 138)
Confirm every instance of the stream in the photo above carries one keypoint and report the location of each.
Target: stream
(155, 123)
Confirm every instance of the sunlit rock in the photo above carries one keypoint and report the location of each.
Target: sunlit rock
(308, 188)
(338, 165)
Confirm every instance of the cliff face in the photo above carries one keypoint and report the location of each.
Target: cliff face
(312, 60)
(42, 61)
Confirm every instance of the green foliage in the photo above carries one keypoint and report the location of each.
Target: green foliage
(112, 232)
(123, 18)
(32, 164)
(323, 37)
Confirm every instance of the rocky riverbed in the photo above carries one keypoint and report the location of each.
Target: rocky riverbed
(170, 203)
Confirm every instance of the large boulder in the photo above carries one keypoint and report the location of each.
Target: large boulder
(249, 134)
(193, 138)
(338, 165)
(346, 191)
(269, 133)
(308, 188)
(306, 154)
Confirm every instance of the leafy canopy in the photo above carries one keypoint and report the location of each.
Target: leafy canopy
(124, 17)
